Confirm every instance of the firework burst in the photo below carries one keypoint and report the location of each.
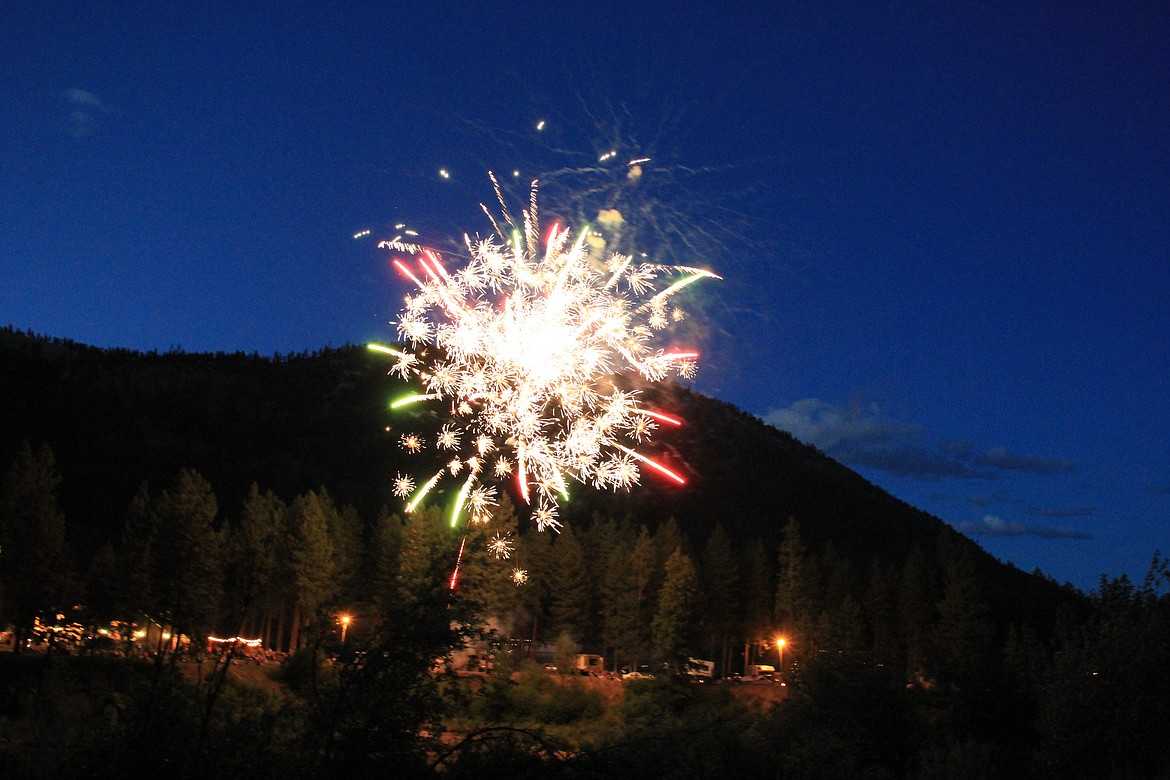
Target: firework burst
(523, 344)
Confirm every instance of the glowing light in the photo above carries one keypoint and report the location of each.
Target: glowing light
(523, 343)
(403, 486)
(235, 640)
(458, 561)
(361, 234)
(385, 350)
(654, 465)
(519, 577)
(422, 492)
(414, 399)
(500, 546)
(444, 173)
(540, 125)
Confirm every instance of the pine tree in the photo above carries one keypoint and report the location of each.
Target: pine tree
(794, 588)
(670, 630)
(668, 537)
(345, 532)
(136, 555)
(34, 562)
(758, 602)
(915, 614)
(485, 582)
(427, 559)
(644, 572)
(840, 624)
(881, 613)
(534, 555)
(188, 570)
(252, 553)
(619, 611)
(720, 588)
(387, 548)
(963, 637)
(101, 587)
(312, 559)
(570, 590)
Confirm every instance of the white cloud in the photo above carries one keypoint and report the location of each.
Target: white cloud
(991, 525)
(826, 426)
(1000, 458)
(861, 436)
(85, 108)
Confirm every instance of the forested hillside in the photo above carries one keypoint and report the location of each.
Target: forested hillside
(236, 495)
(117, 422)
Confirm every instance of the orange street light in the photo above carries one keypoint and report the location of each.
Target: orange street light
(780, 642)
(344, 626)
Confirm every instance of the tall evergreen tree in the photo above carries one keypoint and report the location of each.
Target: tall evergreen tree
(720, 588)
(840, 624)
(252, 555)
(758, 622)
(485, 581)
(534, 555)
(136, 554)
(668, 537)
(312, 559)
(644, 572)
(916, 614)
(881, 612)
(963, 637)
(619, 600)
(386, 550)
(101, 587)
(345, 533)
(794, 601)
(671, 628)
(35, 570)
(570, 590)
(188, 569)
(428, 554)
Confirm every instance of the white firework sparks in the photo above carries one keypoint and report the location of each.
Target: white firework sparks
(522, 343)
(500, 546)
(403, 485)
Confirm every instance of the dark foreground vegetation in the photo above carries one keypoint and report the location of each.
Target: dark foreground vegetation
(77, 716)
(151, 504)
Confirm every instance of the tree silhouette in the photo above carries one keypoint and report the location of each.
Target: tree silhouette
(674, 618)
(313, 563)
(720, 588)
(187, 561)
(569, 596)
(35, 573)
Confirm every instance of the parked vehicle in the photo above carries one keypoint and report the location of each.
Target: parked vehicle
(588, 663)
(760, 673)
(700, 669)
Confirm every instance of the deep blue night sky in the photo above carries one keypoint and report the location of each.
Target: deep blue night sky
(945, 228)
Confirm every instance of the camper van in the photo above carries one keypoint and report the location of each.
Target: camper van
(760, 673)
(700, 670)
(590, 664)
